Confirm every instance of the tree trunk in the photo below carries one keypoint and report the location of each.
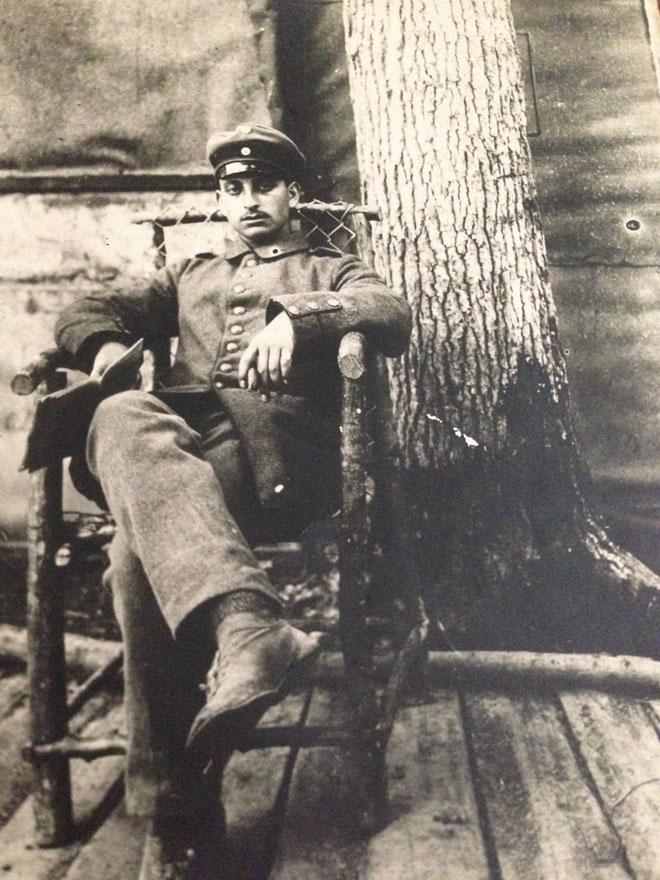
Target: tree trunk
(509, 554)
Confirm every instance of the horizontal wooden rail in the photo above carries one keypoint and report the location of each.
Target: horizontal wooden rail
(71, 747)
(84, 655)
(598, 671)
(104, 180)
(630, 675)
(87, 655)
(626, 674)
(261, 738)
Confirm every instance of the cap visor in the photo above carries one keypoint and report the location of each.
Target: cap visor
(232, 169)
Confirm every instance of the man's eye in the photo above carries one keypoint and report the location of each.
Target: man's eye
(266, 185)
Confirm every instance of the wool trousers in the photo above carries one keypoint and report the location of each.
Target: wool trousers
(180, 489)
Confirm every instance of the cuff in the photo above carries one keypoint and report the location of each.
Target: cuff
(87, 351)
(305, 311)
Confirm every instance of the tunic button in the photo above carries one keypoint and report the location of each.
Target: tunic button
(333, 302)
(232, 346)
(217, 383)
(225, 367)
(275, 251)
(313, 306)
(238, 288)
(294, 310)
(238, 310)
(236, 329)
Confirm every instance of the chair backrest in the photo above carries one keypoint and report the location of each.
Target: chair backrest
(332, 224)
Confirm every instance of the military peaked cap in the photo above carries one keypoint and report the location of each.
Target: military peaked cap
(252, 147)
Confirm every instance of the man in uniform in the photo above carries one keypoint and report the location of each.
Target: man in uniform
(239, 442)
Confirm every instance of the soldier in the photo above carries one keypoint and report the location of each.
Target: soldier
(233, 446)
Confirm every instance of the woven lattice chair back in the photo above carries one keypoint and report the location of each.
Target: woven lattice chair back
(333, 225)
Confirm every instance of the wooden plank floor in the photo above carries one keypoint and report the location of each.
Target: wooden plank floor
(483, 785)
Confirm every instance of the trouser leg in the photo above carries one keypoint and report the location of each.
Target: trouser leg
(169, 505)
(160, 684)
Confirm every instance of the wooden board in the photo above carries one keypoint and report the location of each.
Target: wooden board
(318, 838)
(544, 820)
(434, 831)
(621, 750)
(253, 795)
(250, 792)
(114, 852)
(21, 860)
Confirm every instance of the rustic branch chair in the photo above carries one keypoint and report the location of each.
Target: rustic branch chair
(371, 712)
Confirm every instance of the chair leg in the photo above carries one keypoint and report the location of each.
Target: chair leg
(365, 754)
(46, 662)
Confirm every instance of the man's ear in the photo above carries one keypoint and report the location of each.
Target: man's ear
(295, 193)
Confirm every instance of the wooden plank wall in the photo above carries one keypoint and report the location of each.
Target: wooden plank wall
(597, 168)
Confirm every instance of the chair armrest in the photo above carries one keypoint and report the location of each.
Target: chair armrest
(352, 356)
(39, 368)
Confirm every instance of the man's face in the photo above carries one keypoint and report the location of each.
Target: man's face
(257, 205)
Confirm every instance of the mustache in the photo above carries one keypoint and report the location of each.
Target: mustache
(254, 215)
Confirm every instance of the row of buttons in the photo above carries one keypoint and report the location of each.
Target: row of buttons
(231, 346)
(314, 306)
(235, 329)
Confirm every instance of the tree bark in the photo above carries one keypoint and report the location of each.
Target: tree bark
(508, 551)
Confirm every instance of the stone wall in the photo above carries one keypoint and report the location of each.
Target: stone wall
(54, 249)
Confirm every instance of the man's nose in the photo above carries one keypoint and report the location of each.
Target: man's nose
(249, 197)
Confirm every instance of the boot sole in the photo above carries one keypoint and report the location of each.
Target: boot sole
(224, 731)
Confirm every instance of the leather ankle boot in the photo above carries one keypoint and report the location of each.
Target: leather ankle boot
(257, 664)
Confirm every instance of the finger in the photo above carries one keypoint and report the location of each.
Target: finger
(274, 367)
(252, 379)
(246, 360)
(285, 363)
(262, 367)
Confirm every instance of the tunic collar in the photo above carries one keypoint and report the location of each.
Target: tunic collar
(289, 243)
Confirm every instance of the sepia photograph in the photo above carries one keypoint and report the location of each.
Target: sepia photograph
(330, 431)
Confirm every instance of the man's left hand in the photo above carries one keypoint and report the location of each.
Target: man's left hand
(266, 362)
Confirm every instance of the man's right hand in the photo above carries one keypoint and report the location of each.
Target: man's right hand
(107, 355)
